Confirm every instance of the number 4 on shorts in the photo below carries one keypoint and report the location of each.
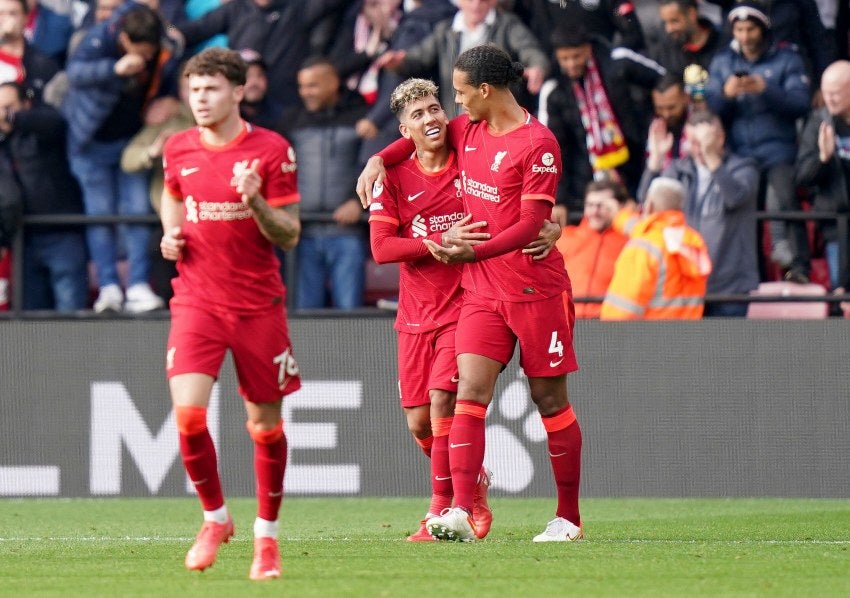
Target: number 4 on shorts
(556, 346)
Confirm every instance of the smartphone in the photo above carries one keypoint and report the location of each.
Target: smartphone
(742, 73)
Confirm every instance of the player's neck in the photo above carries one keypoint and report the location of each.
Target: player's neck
(433, 160)
(505, 116)
(223, 132)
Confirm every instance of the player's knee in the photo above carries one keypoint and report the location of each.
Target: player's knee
(265, 433)
(419, 428)
(549, 403)
(191, 420)
(442, 403)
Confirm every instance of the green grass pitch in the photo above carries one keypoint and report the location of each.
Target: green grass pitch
(356, 547)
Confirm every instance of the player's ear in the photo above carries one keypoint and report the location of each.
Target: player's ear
(238, 93)
(405, 132)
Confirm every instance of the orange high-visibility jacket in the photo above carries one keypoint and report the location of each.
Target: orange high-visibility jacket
(661, 273)
(589, 257)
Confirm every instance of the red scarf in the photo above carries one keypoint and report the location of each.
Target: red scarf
(605, 142)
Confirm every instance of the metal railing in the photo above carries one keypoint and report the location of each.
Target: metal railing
(290, 266)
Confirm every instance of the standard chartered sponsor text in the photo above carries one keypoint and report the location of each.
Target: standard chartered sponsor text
(443, 222)
(228, 210)
(481, 190)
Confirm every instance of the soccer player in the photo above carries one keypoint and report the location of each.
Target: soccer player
(230, 196)
(510, 165)
(421, 198)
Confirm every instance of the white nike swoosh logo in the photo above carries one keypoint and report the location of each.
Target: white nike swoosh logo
(558, 455)
(554, 364)
(438, 478)
(455, 379)
(453, 445)
(469, 149)
(412, 197)
(188, 171)
(275, 494)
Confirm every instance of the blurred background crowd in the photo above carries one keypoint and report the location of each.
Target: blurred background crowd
(746, 104)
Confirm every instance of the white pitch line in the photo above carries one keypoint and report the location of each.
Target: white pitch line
(174, 539)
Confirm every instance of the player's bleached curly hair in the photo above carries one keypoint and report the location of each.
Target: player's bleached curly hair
(410, 91)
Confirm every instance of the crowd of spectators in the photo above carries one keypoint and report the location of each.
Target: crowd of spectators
(743, 102)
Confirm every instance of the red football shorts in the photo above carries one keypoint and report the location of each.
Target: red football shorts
(262, 352)
(426, 361)
(544, 330)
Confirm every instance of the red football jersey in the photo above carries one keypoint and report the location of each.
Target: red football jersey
(422, 203)
(227, 262)
(498, 172)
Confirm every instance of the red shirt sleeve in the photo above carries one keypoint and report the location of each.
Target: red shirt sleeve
(518, 235)
(396, 152)
(387, 247)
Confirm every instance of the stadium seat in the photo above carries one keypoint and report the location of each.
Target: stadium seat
(381, 281)
(802, 310)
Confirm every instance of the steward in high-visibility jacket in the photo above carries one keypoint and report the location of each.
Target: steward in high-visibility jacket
(589, 256)
(661, 273)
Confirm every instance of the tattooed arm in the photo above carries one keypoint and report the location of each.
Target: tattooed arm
(281, 226)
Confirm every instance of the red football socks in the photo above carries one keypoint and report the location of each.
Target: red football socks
(441, 477)
(565, 455)
(466, 450)
(269, 466)
(199, 458)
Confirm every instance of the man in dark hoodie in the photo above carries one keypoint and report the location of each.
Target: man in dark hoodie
(331, 254)
(759, 89)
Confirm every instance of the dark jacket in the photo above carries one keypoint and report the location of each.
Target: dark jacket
(724, 216)
(797, 22)
(11, 199)
(827, 181)
(36, 150)
(39, 68)
(94, 90)
(674, 57)
(280, 32)
(604, 18)
(761, 126)
(328, 149)
(442, 47)
(618, 67)
(264, 114)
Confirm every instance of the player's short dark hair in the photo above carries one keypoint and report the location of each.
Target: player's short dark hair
(411, 91)
(616, 188)
(215, 61)
(570, 35)
(489, 64)
(142, 25)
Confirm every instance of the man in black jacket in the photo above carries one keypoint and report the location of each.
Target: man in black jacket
(54, 261)
(593, 115)
(688, 38)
